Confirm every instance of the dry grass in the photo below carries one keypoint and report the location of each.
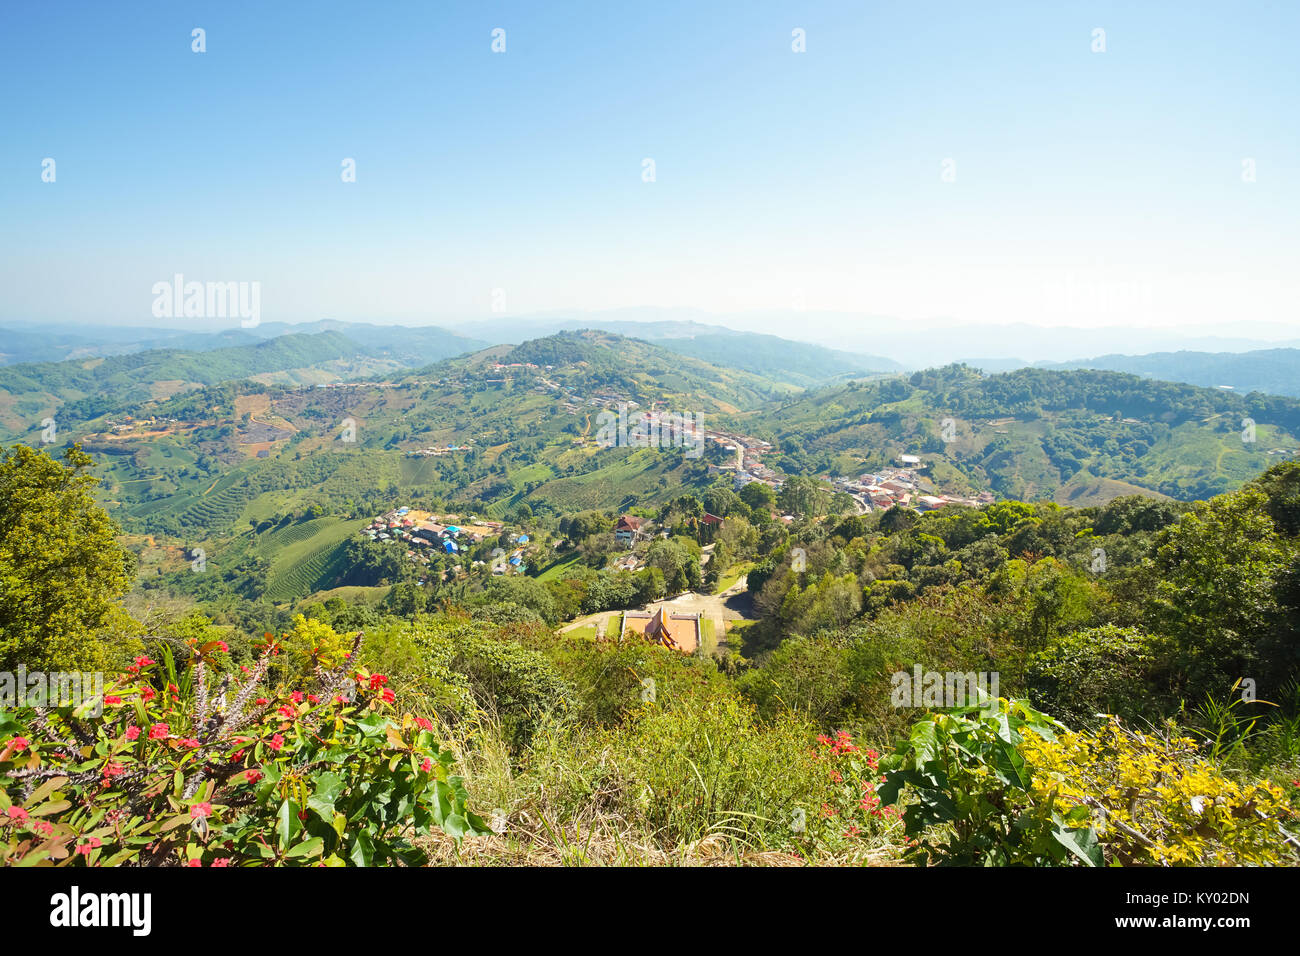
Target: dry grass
(530, 840)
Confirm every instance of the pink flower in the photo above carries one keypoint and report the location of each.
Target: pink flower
(423, 723)
(43, 827)
(313, 699)
(158, 731)
(19, 744)
(114, 769)
(189, 742)
(194, 863)
(132, 733)
(200, 810)
(427, 765)
(221, 645)
(252, 776)
(147, 694)
(276, 742)
(17, 814)
(296, 697)
(94, 843)
(112, 700)
(220, 861)
(287, 711)
(143, 661)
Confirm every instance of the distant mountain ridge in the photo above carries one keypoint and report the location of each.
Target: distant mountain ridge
(1275, 371)
(415, 345)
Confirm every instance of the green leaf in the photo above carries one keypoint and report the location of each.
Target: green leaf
(287, 824)
(1082, 843)
(328, 788)
(924, 740)
(306, 848)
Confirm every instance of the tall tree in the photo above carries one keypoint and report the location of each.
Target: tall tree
(62, 572)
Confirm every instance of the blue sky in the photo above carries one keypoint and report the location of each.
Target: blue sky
(1090, 189)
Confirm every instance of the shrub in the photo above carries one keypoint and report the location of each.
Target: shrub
(971, 787)
(158, 777)
(1013, 787)
(1095, 671)
(1157, 802)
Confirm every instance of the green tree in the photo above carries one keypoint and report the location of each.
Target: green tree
(61, 571)
(1211, 588)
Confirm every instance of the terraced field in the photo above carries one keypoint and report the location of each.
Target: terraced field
(304, 557)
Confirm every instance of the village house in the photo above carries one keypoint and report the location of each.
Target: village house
(628, 530)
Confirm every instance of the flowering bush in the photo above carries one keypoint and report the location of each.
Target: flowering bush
(235, 775)
(1014, 787)
(1156, 802)
(854, 811)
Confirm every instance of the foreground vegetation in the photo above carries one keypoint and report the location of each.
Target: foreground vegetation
(1159, 637)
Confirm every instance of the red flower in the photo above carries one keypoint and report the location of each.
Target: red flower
(388, 696)
(94, 843)
(114, 769)
(200, 810)
(377, 681)
(276, 742)
(19, 744)
(132, 733)
(189, 742)
(423, 723)
(44, 827)
(112, 700)
(147, 694)
(143, 661)
(296, 697)
(313, 699)
(194, 863)
(252, 776)
(261, 702)
(427, 765)
(220, 861)
(17, 814)
(158, 731)
(221, 646)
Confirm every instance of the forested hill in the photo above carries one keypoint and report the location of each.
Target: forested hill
(1038, 433)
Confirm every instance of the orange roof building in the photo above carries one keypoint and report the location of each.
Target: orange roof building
(681, 632)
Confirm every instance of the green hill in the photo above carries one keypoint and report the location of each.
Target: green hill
(1027, 434)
